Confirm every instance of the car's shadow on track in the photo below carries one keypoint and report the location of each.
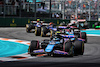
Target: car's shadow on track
(47, 64)
(31, 32)
(60, 56)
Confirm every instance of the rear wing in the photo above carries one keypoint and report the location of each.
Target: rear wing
(45, 23)
(36, 21)
(33, 21)
(62, 27)
(54, 29)
(68, 36)
(73, 27)
(81, 20)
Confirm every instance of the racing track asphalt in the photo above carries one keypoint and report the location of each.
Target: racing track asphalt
(91, 57)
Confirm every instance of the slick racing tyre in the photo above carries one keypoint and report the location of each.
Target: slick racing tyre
(78, 47)
(84, 36)
(33, 46)
(69, 48)
(43, 31)
(28, 28)
(37, 31)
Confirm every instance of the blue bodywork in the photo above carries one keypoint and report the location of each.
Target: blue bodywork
(68, 36)
(60, 52)
(62, 27)
(51, 45)
(56, 42)
(51, 28)
(38, 25)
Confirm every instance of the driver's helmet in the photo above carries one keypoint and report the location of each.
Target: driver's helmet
(38, 20)
(51, 23)
(62, 24)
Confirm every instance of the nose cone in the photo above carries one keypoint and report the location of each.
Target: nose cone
(49, 48)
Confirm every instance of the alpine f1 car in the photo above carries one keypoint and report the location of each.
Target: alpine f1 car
(47, 30)
(51, 28)
(73, 30)
(61, 44)
(39, 28)
(96, 25)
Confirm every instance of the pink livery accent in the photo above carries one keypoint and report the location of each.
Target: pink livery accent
(81, 39)
(39, 51)
(60, 52)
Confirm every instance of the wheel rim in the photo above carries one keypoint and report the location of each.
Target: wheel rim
(35, 30)
(51, 32)
(41, 32)
(82, 47)
(26, 28)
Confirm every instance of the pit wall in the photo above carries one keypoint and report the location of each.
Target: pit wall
(21, 22)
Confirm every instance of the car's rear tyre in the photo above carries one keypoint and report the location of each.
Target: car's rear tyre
(28, 28)
(84, 36)
(78, 47)
(69, 48)
(33, 46)
(37, 31)
(43, 31)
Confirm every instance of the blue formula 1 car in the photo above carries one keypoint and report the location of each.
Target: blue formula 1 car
(51, 29)
(60, 44)
(72, 30)
(42, 29)
(47, 30)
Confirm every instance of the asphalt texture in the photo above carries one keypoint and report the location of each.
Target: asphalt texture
(91, 57)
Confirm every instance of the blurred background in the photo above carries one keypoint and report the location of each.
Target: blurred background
(89, 9)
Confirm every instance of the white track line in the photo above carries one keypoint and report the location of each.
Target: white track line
(92, 35)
